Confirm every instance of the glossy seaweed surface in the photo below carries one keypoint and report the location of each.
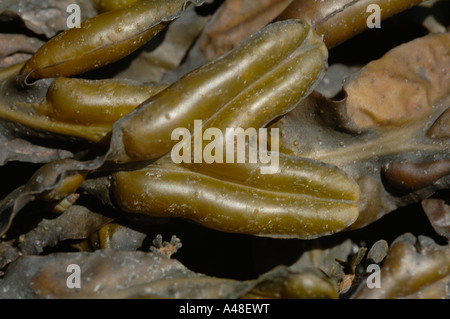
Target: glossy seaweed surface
(118, 134)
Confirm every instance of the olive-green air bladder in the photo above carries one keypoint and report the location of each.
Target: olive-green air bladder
(259, 80)
(271, 71)
(94, 102)
(109, 5)
(81, 108)
(236, 206)
(103, 39)
(340, 20)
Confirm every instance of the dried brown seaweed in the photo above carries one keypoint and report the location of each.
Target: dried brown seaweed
(393, 162)
(44, 16)
(414, 268)
(126, 274)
